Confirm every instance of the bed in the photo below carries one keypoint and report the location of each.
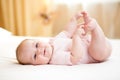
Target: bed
(11, 70)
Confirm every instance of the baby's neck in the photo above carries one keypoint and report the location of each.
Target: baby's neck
(52, 52)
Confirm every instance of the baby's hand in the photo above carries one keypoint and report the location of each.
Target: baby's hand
(72, 25)
(80, 31)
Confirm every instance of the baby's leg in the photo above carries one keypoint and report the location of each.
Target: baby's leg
(99, 48)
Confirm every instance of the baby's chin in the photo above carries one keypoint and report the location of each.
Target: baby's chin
(48, 51)
(51, 52)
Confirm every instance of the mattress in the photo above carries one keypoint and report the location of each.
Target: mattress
(11, 70)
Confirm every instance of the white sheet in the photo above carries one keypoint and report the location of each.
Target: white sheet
(11, 70)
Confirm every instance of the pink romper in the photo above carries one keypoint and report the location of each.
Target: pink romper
(61, 52)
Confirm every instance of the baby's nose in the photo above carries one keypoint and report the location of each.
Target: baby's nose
(38, 44)
(40, 51)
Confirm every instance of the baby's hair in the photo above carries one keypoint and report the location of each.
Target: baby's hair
(17, 53)
(18, 56)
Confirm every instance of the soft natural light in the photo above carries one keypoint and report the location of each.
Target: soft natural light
(81, 1)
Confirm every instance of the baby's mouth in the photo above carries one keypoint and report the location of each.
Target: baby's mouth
(44, 51)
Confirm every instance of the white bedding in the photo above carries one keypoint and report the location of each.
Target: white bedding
(11, 70)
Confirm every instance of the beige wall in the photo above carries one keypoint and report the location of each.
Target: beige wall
(63, 15)
(23, 17)
(108, 16)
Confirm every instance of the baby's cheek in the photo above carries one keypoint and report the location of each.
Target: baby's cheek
(39, 58)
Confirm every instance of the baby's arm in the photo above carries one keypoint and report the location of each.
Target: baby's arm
(77, 49)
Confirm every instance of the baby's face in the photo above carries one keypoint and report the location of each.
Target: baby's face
(36, 52)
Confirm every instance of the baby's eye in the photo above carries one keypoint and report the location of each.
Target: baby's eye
(36, 45)
(35, 56)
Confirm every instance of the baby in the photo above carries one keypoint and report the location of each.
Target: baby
(70, 47)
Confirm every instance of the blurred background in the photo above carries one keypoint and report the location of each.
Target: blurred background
(48, 17)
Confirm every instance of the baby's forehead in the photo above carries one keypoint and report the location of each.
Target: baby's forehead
(32, 40)
(27, 47)
(29, 40)
(26, 42)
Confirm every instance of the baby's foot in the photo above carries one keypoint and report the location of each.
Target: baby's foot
(90, 23)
